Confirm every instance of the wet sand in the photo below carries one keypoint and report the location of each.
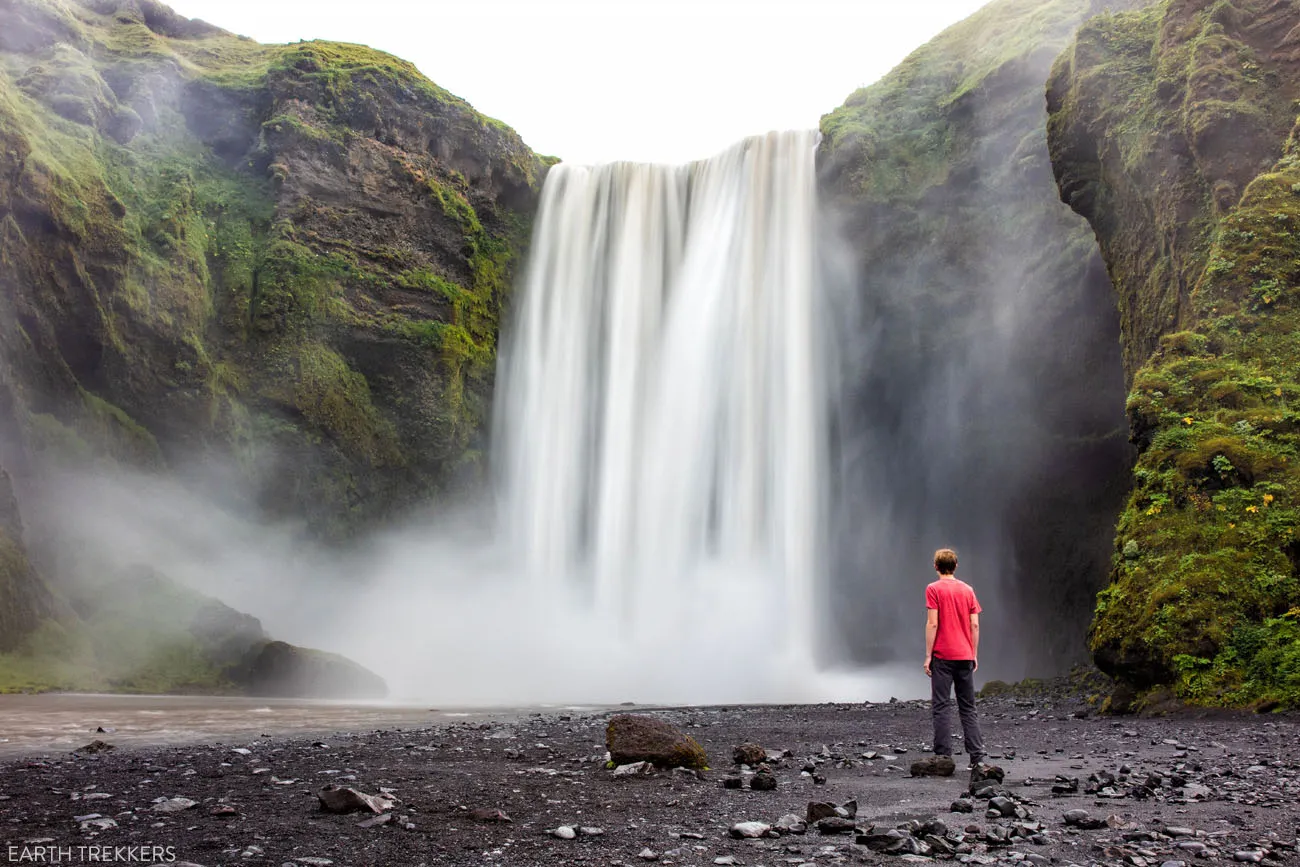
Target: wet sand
(58, 723)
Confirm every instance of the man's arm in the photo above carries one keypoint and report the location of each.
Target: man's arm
(931, 630)
(975, 638)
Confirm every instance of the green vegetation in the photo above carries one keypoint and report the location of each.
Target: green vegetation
(288, 259)
(1161, 121)
(167, 191)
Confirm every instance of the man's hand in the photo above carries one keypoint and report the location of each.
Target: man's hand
(925, 666)
(976, 666)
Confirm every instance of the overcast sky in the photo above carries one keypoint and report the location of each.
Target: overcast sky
(651, 80)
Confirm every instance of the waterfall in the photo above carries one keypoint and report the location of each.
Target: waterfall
(662, 403)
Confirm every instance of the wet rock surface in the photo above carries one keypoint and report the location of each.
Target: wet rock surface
(536, 790)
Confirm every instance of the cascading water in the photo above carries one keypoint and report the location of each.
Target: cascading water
(661, 426)
(661, 439)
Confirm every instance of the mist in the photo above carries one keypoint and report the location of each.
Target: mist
(650, 536)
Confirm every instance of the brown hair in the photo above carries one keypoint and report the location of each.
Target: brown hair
(945, 561)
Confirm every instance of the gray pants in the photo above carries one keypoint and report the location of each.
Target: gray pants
(944, 675)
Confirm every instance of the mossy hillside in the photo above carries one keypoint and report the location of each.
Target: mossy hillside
(1159, 118)
(1204, 594)
(970, 268)
(199, 285)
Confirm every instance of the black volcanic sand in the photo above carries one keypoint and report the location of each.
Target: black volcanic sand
(547, 770)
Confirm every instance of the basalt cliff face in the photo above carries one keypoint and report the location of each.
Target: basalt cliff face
(279, 266)
(1173, 132)
(985, 387)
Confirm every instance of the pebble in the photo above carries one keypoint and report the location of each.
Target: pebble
(725, 859)
(564, 832)
(749, 830)
(648, 854)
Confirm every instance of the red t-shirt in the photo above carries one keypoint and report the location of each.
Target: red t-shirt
(955, 601)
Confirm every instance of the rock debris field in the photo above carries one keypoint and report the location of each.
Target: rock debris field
(817, 785)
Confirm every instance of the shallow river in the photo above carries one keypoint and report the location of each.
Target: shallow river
(34, 724)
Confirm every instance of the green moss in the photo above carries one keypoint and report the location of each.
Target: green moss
(1215, 509)
(335, 400)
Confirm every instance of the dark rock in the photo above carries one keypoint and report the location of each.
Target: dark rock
(962, 805)
(983, 772)
(749, 754)
(763, 781)
(883, 841)
(1003, 806)
(732, 782)
(488, 814)
(836, 825)
(1065, 786)
(934, 766)
(341, 799)
(96, 746)
(376, 821)
(635, 738)
(818, 810)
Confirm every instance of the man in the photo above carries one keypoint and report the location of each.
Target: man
(952, 642)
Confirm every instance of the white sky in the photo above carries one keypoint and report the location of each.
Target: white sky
(646, 80)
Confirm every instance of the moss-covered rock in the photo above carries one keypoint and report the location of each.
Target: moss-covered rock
(992, 417)
(255, 254)
(638, 738)
(1172, 132)
(286, 260)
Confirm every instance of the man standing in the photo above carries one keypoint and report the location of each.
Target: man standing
(952, 643)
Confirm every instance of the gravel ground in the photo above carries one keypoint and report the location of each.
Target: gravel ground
(1190, 789)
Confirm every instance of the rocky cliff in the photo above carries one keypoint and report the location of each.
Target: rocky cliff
(278, 264)
(984, 401)
(1173, 132)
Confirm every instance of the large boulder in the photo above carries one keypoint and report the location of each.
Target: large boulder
(635, 738)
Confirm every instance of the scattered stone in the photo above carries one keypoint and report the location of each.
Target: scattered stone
(376, 821)
(934, 766)
(749, 754)
(818, 810)
(962, 805)
(1003, 805)
(648, 854)
(1253, 856)
(732, 782)
(836, 825)
(488, 814)
(984, 771)
(95, 746)
(847, 810)
(749, 830)
(564, 832)
(726, 860)
(173, 805)
(223, 811)
(591, 832)
(634, 738)
(763, 781)
(341, 799)
(1083, 820)
(1065, 786)
(635, 769)
(791, 824)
